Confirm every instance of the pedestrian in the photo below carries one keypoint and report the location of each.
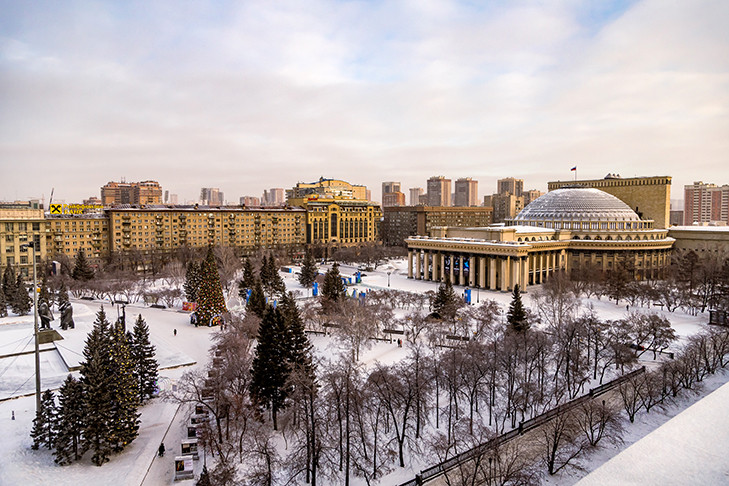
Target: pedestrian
(627, 307)
(174, 332)
(13, 418)
(161, 450)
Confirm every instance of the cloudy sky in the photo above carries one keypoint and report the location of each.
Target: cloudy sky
(248, 95)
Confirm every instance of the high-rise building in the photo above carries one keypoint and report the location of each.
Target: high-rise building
(510, 185)
(531, 195)
(393, 199)
(399, 223)
(392, 195)
(415, 193)
(273, 197)
(439, 191)
(388, 187)
(505, 206)
(706, 203)
(250, 201)
(466, 192)
(211, 196)
(173, 199)
(144, 192)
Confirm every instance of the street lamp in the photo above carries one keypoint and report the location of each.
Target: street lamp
(388, 278)
(35, 331)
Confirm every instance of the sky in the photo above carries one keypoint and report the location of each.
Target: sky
(250, 95)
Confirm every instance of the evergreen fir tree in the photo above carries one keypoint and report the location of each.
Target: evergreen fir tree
(96, 379)
(516, 315)
(124, 418)
(270, 370)
(446, 303)
(62, 294)
(309, 271)
(21, 303)
(3, 303)
(192, 281)
(44, 423)
(264, 274)
(210, 300)
(71, 416)
(257, 302)
(248, 280)
(9, 283)
(297, 346)
(333, 288)
(81, 268)
(44, 295)
(144, 363)
(275, 282)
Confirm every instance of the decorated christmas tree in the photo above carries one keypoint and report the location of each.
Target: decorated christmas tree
(192, 281)
(210, 300)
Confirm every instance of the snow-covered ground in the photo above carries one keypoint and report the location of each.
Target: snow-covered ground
(162, 421)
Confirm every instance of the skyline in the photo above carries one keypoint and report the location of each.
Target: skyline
(249, 96)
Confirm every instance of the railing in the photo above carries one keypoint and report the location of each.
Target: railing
(443, 467)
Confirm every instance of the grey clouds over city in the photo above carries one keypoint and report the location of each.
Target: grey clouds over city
(251, 95)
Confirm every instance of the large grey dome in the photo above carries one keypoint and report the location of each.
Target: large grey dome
(576, 204)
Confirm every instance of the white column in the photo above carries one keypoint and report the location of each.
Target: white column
(472, 271)
(451, 270)
(418, 262)
(492, 273)
(461, 274)
(504, 274)
(410, 263)
(482, 272)
(524, 273)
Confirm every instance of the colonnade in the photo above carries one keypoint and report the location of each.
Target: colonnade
(487, 271)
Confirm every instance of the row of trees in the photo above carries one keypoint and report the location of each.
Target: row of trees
(13, 293)
(99, 411)
(467, 370)
(693, 283)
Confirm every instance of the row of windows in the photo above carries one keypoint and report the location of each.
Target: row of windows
(9, 227)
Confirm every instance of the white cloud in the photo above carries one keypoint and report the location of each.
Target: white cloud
(248, 96)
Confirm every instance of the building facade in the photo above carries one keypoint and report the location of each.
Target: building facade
(564, 230)
(510, 185)
(393, 199)
(706, 203)
(466, 192)
(505, 206)
(211, 196)
(145, 192)
(21, 224)
(415, 194)
(398, 224)
(439, 191)
(331, 188)
(650, 197)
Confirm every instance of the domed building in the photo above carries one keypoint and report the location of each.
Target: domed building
(568, 229)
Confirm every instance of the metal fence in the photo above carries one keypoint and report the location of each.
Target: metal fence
(433, 472)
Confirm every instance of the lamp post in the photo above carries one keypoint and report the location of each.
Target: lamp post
(35, 331)
(388, 278)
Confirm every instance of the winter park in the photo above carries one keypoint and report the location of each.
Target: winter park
(352, 373)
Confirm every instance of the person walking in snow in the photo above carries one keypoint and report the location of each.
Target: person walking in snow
(162, 449)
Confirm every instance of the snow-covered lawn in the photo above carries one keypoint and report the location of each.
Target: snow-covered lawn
(187, 350)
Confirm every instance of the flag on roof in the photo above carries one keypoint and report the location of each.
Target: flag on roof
(574, 168)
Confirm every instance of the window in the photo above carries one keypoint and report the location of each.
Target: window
(8, 226)
(36, 226)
